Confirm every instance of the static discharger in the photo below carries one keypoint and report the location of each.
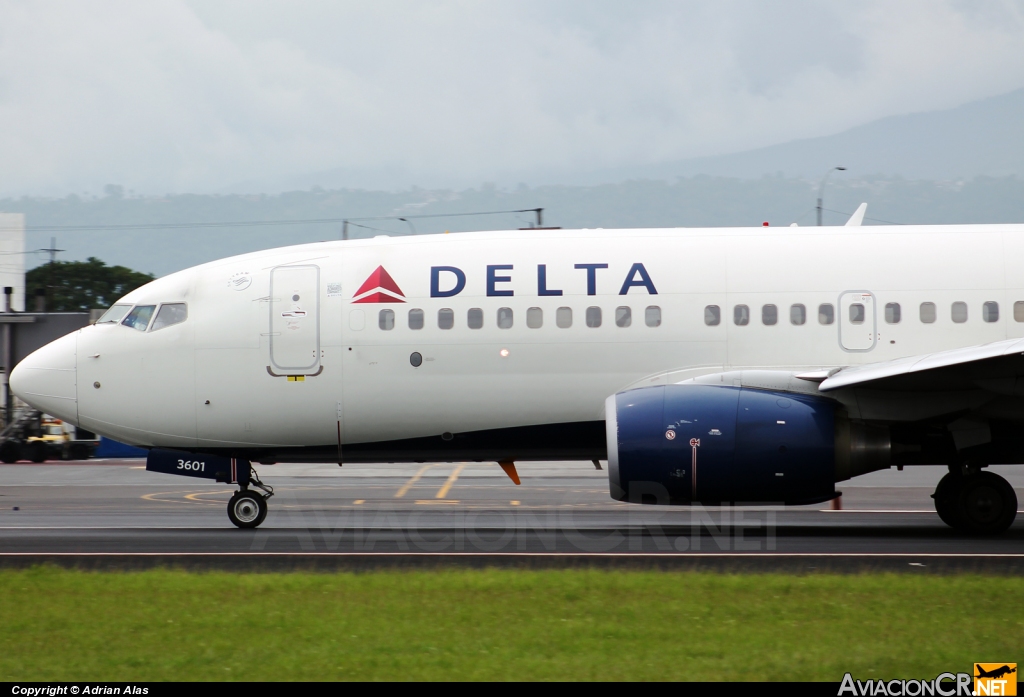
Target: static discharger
(510, 470)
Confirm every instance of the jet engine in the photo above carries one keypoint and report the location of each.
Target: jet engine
(692, 443)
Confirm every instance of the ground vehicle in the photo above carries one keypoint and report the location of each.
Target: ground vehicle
(39, 437)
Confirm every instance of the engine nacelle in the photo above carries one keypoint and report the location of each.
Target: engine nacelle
(691, 443)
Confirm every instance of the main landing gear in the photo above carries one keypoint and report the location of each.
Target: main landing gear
(248, 508)
(976, 502)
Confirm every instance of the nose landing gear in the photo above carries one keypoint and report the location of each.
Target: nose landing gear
(979, 503)
(247, 508)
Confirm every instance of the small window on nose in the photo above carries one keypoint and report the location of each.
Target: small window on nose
(170, 314)
(139, 317)
(117, 312)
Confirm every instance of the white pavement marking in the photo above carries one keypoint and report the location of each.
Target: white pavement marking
(584, 555)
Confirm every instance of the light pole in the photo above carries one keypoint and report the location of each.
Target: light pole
(821, 189)
(409, 223)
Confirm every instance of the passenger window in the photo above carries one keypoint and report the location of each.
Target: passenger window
(504, 318)
(959, 312)
(117, 312)
(1018, 311)
(593, 317)
(712, 315)
(563, 317)
(797, 314)
(990, 311)
(445, 318)
(857, 313)
(826, 314)
(475, 318)
(741, 315)
(893, 313)
(139, 317)
(769, 314)
(416, 318)
(170, 314)
(623, 317)
(652, 316)
(535, 318)
(386, 320)
(928, 313)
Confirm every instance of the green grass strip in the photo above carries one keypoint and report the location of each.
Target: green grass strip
(498, 625)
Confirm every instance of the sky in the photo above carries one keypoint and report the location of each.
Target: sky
(172, 96)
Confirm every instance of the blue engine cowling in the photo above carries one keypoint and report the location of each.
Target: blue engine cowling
(680, 444)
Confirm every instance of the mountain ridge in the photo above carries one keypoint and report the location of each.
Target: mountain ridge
(980, 138)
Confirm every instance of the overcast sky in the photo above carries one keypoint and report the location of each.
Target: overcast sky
(175, 96)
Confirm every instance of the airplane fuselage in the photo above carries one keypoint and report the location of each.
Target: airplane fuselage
(292, 350)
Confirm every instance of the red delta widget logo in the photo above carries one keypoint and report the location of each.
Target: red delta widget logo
(449, 281)
(379, 287)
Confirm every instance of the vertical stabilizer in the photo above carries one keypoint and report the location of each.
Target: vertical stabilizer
(858, 215)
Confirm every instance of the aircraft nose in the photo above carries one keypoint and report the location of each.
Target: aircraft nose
(46, 379)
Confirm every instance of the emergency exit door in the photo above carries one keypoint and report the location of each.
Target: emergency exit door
(295, 318)
(857, 322)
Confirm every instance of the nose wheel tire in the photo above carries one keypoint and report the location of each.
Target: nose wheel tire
(982, 503)
(247, 509)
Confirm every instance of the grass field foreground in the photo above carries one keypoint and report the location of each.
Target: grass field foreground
(500, 624)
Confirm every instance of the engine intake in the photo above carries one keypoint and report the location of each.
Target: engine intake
(691, 443)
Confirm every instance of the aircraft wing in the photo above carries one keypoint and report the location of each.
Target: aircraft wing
(996, 367)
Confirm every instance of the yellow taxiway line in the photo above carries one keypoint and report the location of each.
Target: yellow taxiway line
(443, 491)
(415, 478)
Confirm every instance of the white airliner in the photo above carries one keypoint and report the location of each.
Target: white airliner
(706, 365)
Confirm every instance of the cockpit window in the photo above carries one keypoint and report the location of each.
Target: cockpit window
(114, 314)
(170, 313)
(139, 317)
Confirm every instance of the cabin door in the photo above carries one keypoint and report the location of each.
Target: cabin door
(295, 318)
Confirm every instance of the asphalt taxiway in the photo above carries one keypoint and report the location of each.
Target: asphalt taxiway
(113, 512)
